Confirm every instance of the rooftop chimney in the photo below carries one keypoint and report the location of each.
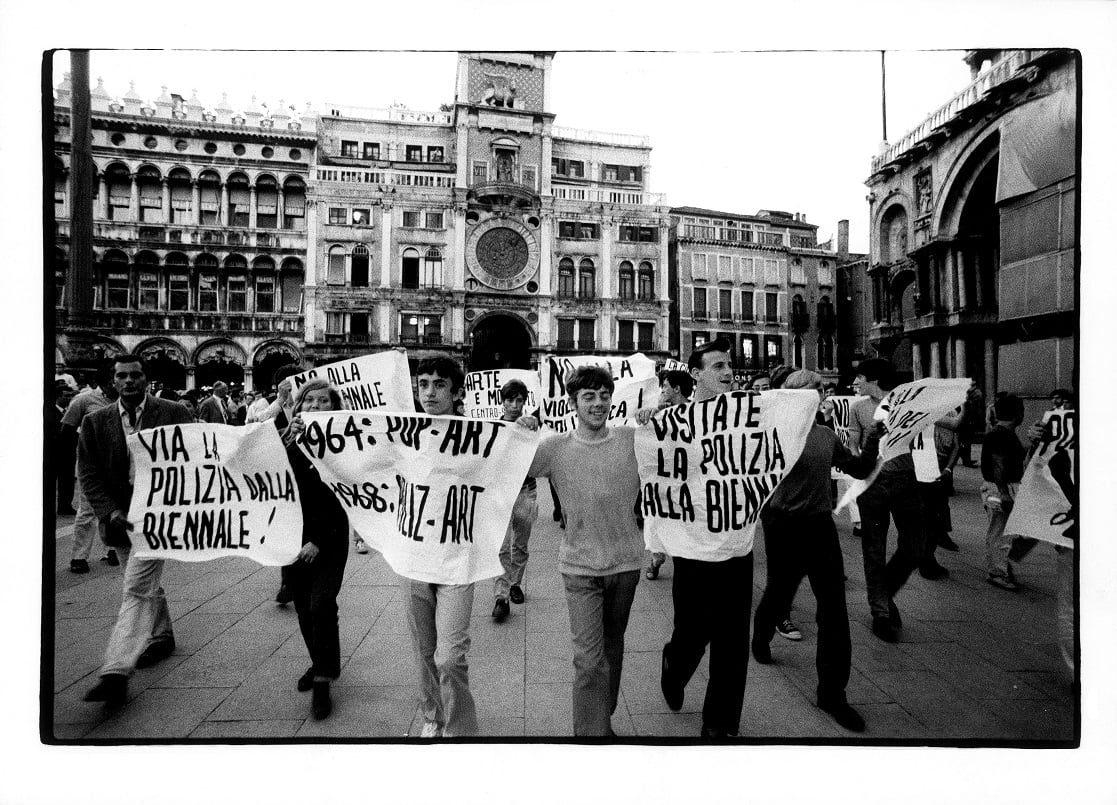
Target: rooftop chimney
(843, 236)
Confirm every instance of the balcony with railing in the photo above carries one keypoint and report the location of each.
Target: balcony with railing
(596, 195)
(159, 235)
(394, 114)
(998, 74)
(193, 321)
(606, 137)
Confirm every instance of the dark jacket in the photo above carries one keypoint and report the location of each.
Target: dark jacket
(103, 457)
(325, 522)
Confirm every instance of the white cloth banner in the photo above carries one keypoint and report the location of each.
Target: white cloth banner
(707, 468)
(205, 491)
(1046, 502)
(434, 495)
(636, 386)
(672, 365)
(381, 381)
(840, 407)
(910, 408)
(482, 392)
(924, 456)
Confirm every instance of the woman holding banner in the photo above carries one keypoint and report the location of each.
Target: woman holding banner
(315, 577)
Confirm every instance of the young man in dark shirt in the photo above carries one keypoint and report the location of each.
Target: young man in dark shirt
(1002, 467)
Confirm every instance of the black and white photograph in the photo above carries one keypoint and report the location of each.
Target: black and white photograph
(651, 406)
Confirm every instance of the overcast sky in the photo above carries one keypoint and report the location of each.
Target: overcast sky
(735, 131)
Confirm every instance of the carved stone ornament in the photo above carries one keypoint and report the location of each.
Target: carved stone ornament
(502, 253)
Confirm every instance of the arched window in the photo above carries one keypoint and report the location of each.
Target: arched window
(294, 203)
(236, 283)
(182, 196)
(150, 182)
(206, 265)
(827, 321)
(627, 287)
(432, 268)
(267, 197)
(61, 263)
(178, 279)
(118, 185)
(237, 185)
(114, 267)
(797, 345)
(263, 270)
(825, 352)
(358, 267)
(587, 283)
(800, 318)
(566, 277)
(335, 266)
(291, 285)
(647, 282)
(410, 268)
(209, 192)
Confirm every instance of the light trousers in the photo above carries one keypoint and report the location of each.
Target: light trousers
(144, 617)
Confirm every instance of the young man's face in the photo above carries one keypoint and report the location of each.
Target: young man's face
(1058, 401)
(436, 395)
(762, 384)
(670, 394)
(591, 407)
(514, 408)
(129, 381)
(869, 387)
(715, 376)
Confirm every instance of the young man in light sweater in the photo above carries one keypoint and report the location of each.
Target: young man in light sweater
(594, 471)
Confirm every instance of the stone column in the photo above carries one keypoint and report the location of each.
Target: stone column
(960, 262)
(196, 206)
(310, 279)
(166, 200)
(252, 206)
(990, 369)
(935, 304)
(458, 279)
(660, 275)
(279, 202)
(936, 359)
(384, 307)
(950, 301)
(979, 290)
(224, 204)
(102, 198)
(546, 240)
(134, 201)
(608, 231)
(385, 257)
(916, 361)
(960, 356)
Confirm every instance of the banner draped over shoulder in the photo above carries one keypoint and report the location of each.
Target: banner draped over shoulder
(482, 392)
(636, 387)
(379, 381)
(707, 468)
(1047, 500)
(912, 407)
(432, 494)
(205, 491)
(840, 407)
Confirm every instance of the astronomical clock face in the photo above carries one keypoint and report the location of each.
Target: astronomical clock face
(502, 253)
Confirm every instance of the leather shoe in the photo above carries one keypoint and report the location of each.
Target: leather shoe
(716, 734)
(284, 596)
(111, 559)
(156, 652)
(761, 652)
(883, 628)
(673, 692)
(845, 715)
(894, 615)
(321, 705)
(306, 681)
(112, 689)
(516, 594)
(79, 566)
(934, 572)
(500, 610)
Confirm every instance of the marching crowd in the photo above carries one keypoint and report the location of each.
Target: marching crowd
(592, 472)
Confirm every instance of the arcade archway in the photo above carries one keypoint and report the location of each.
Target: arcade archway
(500, 341)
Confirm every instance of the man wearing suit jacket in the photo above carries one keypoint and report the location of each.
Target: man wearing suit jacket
(142, 635)
(213, 408)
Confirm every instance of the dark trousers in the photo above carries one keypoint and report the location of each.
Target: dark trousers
(712, 602)
(315, 587)
(892, 495)
(935, 498)
(799, 546)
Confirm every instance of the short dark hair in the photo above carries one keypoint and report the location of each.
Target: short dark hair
(877, 370)
(285, 371)
(442, 366)
(780, 375)
(128, 357)
(679, 379)
(589, 377)
(1064, 393)
(717, 345)
(1008, 408)
(512, 389)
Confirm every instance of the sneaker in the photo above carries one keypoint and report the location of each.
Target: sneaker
(500, 610)
(516, 594)
(430, 730)
(360, 546)
(789, 630)
(1003, 583)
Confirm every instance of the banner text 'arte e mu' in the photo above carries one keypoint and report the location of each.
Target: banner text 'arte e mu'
(433, 494)
(482, 392)
(204, 491)
(381, 380)
(635, 387)
(707, 468)
(910, 408)
(1046, 506)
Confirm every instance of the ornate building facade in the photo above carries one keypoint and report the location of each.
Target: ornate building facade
(973, 231)
(483, 229)
(761, 281)
(199, 236)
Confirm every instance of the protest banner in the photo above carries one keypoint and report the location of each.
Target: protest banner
(482, 392)
(636, 386)
(672, 365)
(707, 468)
(204, 491)
(840, 408)
(1047, 501)
(924, 456)
(911, 407)
(433, 494)
(381, 380)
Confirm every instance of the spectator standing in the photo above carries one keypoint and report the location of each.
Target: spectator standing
(1002, 467)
